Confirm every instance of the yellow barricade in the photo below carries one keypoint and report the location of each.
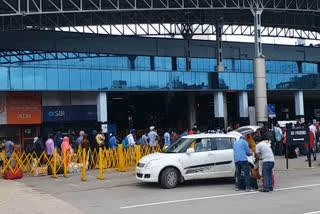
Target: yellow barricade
(119, 159)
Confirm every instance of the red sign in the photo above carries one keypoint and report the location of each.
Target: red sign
(23, 108)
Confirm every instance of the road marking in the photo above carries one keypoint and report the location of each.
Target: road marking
(315, 212)
(74, 185)
(57, 180)
(211, 197)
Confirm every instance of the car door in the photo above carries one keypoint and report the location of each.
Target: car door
(224, 160)
(200, 163)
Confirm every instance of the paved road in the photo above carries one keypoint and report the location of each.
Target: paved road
(297, 191)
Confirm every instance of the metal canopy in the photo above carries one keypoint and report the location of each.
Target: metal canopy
(53, 14)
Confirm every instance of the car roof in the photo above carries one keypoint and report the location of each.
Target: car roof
(195, 136)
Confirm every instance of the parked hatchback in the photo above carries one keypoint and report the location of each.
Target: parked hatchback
(191, 157)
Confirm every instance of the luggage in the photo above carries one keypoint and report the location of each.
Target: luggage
(11, 175)
(40, 171)
(60, 172)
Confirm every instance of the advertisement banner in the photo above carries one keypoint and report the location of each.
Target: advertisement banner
(69, 113)
(23, 108)
(3, 109)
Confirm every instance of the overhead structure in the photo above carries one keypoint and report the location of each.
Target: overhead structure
(153, 17)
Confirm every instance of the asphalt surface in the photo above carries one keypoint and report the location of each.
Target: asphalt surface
(297, 190)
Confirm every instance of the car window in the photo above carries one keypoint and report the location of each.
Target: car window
(203, 145)
(222, 143)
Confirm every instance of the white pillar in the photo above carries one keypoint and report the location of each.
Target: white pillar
(219, 109)
(225, 110)
(102, 107)
(243, 104)
(192, 110)
(299, 104)
(218, 105)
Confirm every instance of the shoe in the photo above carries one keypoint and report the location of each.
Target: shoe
(271, 189)
(251, 190)
(264, 190)
(237, 189)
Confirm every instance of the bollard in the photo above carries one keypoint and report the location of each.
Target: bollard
(121, 158)
(84, 160)
(4, 156)
(100, 177)
(54, 168)
(65, 163)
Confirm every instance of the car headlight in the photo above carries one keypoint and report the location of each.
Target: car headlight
(150, 165)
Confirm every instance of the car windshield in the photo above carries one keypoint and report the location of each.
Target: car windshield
(180, 146)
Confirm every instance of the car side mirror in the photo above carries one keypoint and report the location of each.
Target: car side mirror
(190, 150)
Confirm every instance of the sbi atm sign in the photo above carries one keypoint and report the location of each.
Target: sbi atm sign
(69, 113)
(57, 113)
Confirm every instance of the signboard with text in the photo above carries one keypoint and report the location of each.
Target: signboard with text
(23, 108)
(298, 136)
(69, 113)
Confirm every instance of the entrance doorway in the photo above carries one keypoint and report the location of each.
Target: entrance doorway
(27, 134)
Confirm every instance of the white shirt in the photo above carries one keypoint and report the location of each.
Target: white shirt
(313, 129)
(152, 135)
(265, 151)
(131, 140)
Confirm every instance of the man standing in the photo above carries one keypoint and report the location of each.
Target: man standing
(49, 146)
(113, 142)
(152, 136)
(166, 138)
(278, 136)
(100, 138)
(130, 138)
(9, 145)
(241, 152)
(313, 128)
(264, 152)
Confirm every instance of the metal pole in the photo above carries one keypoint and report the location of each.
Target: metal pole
(219, 29)
(260, 86)
(287, 148)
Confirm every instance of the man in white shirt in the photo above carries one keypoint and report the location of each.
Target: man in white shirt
(313, 128)
(130, 137)
(153, 136)
(264, 152)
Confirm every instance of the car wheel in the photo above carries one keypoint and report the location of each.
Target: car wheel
(169, 178)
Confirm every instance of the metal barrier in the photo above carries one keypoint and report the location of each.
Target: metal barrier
(106, 160)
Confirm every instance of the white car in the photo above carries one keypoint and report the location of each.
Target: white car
(199, 156)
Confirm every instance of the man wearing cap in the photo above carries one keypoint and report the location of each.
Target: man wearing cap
(152, 136)
(241, 152)
(130, 137)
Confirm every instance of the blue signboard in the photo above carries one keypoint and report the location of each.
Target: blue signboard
(271, 110)
(69, 113)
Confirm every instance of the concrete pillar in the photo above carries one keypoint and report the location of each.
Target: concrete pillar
(187, 53)
(260, 90)
(243, 108)
(102, 107)
(299, 104)
(225, 110)
(219, 29)
(259, 70)
(192, 114)
(219, 109)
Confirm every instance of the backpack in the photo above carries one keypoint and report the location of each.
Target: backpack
(125, 142)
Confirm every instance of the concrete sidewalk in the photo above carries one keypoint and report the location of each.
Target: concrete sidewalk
(295, 164)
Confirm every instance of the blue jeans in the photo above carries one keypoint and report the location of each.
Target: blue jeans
(267, 175)
(243, 166)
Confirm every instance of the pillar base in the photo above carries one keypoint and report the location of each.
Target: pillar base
(300, 118)
(219, 122)
(220, 68)
(244, 121)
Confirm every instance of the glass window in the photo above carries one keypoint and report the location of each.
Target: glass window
(40, 76)
(75, 79)
(222, 143)
(204, 145)
(16, 78)
(4, 76)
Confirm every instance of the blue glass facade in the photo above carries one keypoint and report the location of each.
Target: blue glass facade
(118, 73)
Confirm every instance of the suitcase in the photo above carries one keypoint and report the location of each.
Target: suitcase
(15, 174)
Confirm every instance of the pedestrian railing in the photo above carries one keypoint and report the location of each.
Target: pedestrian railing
(105, 160)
